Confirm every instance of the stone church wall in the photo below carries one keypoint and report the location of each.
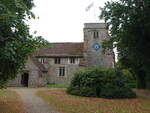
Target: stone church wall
(70, 69)
(33, 73)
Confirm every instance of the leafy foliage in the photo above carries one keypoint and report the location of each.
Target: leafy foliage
(16, 43)
(129, 25)
(97, 82)
(131, 80)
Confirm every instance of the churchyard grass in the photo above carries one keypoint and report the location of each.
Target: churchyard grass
(66, 103)
(10, 102)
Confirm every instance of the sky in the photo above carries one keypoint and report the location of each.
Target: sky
(63, 20)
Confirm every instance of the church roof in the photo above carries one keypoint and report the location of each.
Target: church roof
(38, 64)
(62, 50)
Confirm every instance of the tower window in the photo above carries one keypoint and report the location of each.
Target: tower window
(96, 34)
(57, 60)
(62, 71)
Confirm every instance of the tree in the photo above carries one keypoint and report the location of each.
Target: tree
(16, 43)
(129, 25)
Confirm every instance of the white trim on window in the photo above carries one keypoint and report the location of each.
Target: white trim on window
(57, 72)
(42, 60)
(68, 60)
(57, 60)
(61, 71)
(76, 60)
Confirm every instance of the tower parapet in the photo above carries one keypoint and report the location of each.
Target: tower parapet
(94, 26)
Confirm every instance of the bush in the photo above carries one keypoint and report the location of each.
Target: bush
(83, 91)
(97, 82)
(3, 84)
(55, 86)
(132, 84)
(131, 80)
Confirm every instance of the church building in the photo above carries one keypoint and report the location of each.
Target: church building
(57, 65)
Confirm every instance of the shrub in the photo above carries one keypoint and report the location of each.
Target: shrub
(132, 84)
(3, 84)
(98, 82)
(55, 85)
(131, 80)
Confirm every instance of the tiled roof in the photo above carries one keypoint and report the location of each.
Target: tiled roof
(62, 50)
(38, 64)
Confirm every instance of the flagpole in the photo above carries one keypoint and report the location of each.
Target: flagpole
(94, 12)
(88, 8)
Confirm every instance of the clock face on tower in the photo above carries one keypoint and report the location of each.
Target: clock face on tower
(96, 46)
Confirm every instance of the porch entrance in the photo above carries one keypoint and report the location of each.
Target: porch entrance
(24, 79)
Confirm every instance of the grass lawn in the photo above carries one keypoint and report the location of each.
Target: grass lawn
(66, 103)
(10, 102)
(55, 86)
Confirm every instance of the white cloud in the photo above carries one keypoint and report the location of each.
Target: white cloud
(62, 20)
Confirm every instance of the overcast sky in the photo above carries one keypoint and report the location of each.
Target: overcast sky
(62, 20)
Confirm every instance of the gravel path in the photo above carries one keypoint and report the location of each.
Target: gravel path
(142, 93)
(32, 103)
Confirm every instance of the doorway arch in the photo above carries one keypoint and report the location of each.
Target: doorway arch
(24, 79)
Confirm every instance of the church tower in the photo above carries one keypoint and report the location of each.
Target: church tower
(94, 35)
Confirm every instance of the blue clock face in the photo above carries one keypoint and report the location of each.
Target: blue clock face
(96, 46)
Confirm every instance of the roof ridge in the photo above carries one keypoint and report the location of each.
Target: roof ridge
(63, 49)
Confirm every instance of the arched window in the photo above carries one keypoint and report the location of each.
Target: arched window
(95, 34)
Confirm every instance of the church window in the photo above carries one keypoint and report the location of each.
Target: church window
(96, 34)
(62, 71)
(42, 60)
(72, 60)
(57, 60)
